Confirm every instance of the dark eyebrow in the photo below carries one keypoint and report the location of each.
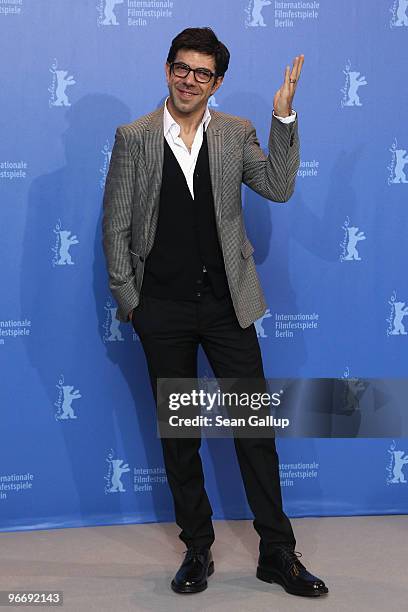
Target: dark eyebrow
(199, 68)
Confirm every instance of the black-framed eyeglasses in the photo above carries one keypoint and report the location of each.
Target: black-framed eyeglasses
(201, 75)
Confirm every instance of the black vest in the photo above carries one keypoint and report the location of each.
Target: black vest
(186, 237)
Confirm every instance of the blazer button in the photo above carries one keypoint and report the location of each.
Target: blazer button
(141, 258)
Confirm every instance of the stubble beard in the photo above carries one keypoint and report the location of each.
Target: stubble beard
(184, 107)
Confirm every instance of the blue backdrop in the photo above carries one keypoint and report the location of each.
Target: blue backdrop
(79, 441)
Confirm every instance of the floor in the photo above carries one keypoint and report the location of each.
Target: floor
(363, 561)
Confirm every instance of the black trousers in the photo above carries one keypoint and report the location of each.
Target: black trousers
(170, 332)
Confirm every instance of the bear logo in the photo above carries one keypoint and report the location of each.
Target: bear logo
(114, 329)
(66, 240)
(118, 470)
(402, 18)
(260, 332)
(353, 237)
(62, 83)
(256, 18)
(355, 81)
(400, 311)
(399, 461)
(69, 396)
(109, 15)
(401, 160)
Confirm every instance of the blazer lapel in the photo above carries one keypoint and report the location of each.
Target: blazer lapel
(154, 151)
(215, 139)
(154, 148)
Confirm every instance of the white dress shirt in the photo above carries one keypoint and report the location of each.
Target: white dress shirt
(187, 160)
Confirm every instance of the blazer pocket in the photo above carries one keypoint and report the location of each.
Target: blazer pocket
(246, 248)
(135, 258)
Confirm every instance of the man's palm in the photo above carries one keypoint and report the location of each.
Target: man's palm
(282, 101)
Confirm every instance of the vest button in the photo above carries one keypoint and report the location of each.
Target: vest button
(198, 294)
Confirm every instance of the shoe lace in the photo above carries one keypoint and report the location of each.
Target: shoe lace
(291, 557)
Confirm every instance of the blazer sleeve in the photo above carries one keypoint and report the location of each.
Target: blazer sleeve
(117, 226)
(272, 176)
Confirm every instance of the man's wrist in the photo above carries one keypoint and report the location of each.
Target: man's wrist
(283, 114)
(289, 119)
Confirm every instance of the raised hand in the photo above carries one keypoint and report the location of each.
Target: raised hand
(282, 101)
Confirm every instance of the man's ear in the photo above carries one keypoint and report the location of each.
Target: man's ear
(217, 84)
(167, 71)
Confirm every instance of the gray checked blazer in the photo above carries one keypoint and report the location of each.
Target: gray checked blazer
(132, 193)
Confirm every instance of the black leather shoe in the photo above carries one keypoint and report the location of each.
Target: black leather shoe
(192, 576)
(282, 565)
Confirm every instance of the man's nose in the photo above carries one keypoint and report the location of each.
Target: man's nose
(189, 79)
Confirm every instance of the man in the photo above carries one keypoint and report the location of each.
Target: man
(181, 269)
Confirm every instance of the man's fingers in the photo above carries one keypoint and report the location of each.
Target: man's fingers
(297, 68)
(294, 73)
(294, 69)
(287, 75)
(300, 65)
(290, 75)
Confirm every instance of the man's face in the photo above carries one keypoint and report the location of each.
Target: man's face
(186, 94)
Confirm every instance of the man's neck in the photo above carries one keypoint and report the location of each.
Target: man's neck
(188, 122)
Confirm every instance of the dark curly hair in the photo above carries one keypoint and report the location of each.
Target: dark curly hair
(205, 41)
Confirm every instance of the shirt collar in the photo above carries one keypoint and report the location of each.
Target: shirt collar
(169, 121)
